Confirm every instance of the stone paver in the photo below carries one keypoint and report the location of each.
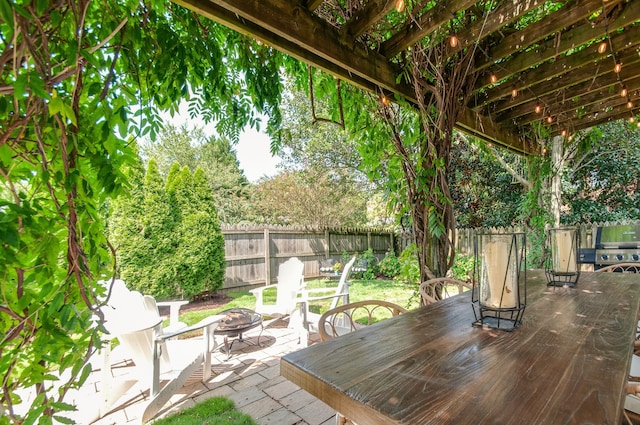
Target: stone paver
(280, 417)
(316, 412)
(250, 377)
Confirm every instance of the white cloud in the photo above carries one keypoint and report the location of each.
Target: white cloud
(254, 155)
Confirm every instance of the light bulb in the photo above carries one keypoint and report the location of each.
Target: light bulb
(629, 104)
(602, 47)
(617, 68)
(564, 133)
(493, 78)
(514, 92)
(549, 119)
(538, 109)
(453, 41)
(385, 100)
(632, 119)
(624, 92)
(400, 5)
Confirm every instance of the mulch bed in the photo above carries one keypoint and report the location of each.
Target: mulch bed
(216, 300)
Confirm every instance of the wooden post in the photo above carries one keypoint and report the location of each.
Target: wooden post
(267, 257)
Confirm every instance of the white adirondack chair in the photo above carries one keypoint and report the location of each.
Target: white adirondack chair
(134, 320)
(339, 295)
(288, 289)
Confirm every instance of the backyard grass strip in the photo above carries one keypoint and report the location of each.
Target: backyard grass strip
(213, 411)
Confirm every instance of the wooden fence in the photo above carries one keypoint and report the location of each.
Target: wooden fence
(254, 253)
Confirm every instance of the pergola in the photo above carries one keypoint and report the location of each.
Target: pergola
(564, 65)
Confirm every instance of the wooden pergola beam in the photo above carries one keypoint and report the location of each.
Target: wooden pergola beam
(564, 66)
(485, 129)
(372, 12)
(581, 34)
(578, 72)
(573, 101)
(313, 4)
(505, 13)
(416, 29)
(315, 42)
(311, 41)
(603, 118)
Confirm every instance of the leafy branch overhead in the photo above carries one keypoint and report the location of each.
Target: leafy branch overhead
(80, 80)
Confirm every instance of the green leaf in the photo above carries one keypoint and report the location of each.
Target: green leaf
(20, 85)
(55, 104)
(41, 6)
(7, 16)
(6, 154)
(37, 85)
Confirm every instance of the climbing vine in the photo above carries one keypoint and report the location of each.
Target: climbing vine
(79, 81)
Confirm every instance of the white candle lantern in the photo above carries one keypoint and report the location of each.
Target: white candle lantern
(499, 295)
(562, 265)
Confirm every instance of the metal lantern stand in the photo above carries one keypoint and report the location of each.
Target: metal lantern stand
(562, 268)
(499, 294)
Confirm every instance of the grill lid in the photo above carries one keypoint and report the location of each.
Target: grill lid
(619, 236)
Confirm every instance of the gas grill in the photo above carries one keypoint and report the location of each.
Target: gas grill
(613, 245)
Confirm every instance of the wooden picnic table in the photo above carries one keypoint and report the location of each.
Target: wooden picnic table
(566, 364)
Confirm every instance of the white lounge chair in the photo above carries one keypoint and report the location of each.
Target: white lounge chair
(290, 284)
(134, 320)
(338, 295)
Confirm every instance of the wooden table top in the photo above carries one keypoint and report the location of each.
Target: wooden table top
(566, 364)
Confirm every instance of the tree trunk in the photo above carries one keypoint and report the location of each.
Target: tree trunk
(557, 162)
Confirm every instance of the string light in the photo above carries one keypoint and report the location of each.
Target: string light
(514, 92)
(564, 133)
(399, 5)
(570, 137)
(385, 100)
(632, 119)
(453, 41)
(624, 92)
(602, 47)
(538, 108)
(629, 104)
(617, 68)
(493, 78)
(549, 119)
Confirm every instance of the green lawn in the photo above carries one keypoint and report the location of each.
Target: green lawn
(214, 411)
(399, 293)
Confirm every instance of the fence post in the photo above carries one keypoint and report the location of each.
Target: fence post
(267, 257)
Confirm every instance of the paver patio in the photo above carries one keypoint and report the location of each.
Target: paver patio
(251, 378)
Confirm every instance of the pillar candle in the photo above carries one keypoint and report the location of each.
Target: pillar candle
(502, 285)
(565, 254)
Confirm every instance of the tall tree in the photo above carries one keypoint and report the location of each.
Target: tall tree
(311, 198)
(198, 259)
(601, 178)
(485, 191)
(216, 156)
